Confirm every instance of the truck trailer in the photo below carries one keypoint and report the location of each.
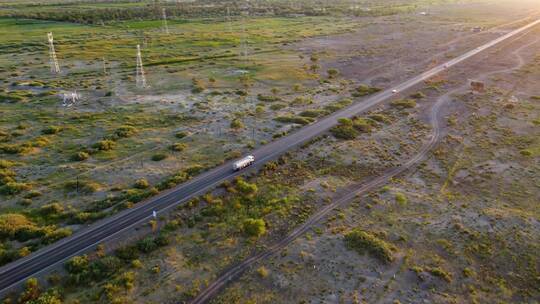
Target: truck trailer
(244, 162)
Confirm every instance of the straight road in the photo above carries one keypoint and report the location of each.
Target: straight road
(50, 256)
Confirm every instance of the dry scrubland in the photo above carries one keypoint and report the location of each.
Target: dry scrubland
(461, 227)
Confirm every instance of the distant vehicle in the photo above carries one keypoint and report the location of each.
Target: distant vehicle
(446, 66)
(244, 162)
(394, 91)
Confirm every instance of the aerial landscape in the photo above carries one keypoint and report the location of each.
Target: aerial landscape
(269, 151)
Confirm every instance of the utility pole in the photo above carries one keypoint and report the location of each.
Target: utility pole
(55, 68)
(140, 77)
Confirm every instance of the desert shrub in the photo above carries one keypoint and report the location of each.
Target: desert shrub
(194, 170)
(277, 106)
(237, 124)
(6, 164)
(364, 90)
(363, 242)
(441, 273)
(40, 141)
(147, 245)
(246, 188)
(12, 188)
(363, 125)
(379, 118)
(83, 186)
(262, 272)
(403, 103)
(178, 147)
(294, 119)
(105, 145)
(127, 253)
(141, 184)
(313, 113)
(12, 224)
(80, 156)
(77, 264)
(7, 176)
(53, 208)
(401, 198)
(267, 98)
(159, 157)
(31, 291)
(344, 130)
(15, 148)
(338, 105)
(198, 86)
(181, 134)
(51, 130)
(332, 73)
(55, 235)
(418, 95)
(125, 131)
(254, 227)
(105, 266)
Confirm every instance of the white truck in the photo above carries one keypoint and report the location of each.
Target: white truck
(244, 162)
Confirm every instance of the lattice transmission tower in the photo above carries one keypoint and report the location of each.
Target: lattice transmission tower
(55, 67)
(165, 25)
(140, 78)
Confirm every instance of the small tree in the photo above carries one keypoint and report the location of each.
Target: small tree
(31, 291)
(254, 227)
(236, 124)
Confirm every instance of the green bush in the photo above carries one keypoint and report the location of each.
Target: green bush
(418, 95)
(7, 176)
(403, 103)
(401, 198)
(237, 124)
(105, 145)
(254, 227)
(77, 264)
(178, 147)
(181, 134)
(267, 98)
(141, 184)
(344, 130)
(332, 73)
(6, 164)
(83, 186)
(294, 119)
(363, 242)
(125, 131)
(313, 113)
(364, 90)
(12, 224)
(80, 156)
(12, 188)
(441, 273)
(277, 106)
(51, 130)
(53, 208)
(363, 125)
(159, 157)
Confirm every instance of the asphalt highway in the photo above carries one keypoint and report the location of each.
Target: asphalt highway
(52, 255)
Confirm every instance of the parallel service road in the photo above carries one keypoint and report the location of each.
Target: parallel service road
(42, 260)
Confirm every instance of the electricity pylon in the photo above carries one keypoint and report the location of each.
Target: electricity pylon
(165, 26)
(55, 68)
(140, 78)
